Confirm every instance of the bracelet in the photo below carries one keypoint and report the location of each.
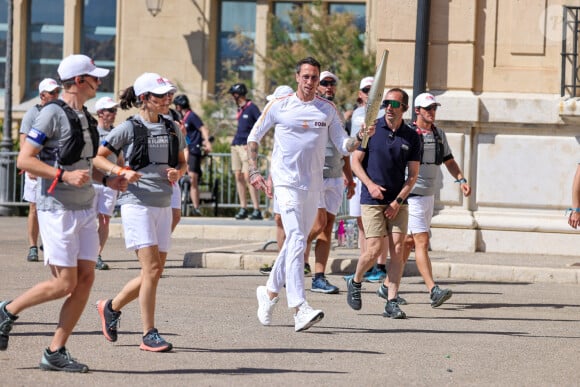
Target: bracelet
(111, 170)
(122, 169)
(60, 174)
(571, 210)
(105, 178)
(463, 180)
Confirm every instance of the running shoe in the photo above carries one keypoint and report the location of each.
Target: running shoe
(265, 305)
(383, 292)
(32, 254)
(155, 343)
(306, 317)
(110, 319)
(101, 265)
(439, 296)
(6, 323)
(353, 296)
(393, 311)
(61, 360)
(321, 285)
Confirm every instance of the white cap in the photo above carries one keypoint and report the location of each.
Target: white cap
(75, 65)
(48, 84)
(280, 91)
(105, 103)
(425, 100)
(328, 74)
(152, 83)
(366, 82)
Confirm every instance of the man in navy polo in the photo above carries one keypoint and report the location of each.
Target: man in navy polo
(381, 168)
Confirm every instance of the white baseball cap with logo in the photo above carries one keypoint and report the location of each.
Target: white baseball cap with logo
(105, 103)
(425, 100)
(328, 74)
(47, 84)
(281, 91)
(76, 65)
(152, 83)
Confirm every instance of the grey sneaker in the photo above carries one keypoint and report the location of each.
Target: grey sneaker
(256, 215)
(242, 214)
(392, 310)
(155, 343)
(6, 322)
(32, 254)
(383, 292)
(110, 319)
(101, 265)
(61, 360)
(353, 297)
(439, 296)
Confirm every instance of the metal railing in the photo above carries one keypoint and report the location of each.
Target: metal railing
(570, 84)
(12, 184)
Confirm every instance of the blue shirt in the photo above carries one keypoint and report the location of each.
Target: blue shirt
(386, 158)
(193, 124)
(247, 117)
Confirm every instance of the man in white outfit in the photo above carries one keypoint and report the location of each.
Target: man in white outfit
(304, 124)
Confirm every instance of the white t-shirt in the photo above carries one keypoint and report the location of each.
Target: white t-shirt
(302, 131)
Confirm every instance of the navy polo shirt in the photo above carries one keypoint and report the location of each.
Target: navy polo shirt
(247, 117)
(386, 158)
(192, 130)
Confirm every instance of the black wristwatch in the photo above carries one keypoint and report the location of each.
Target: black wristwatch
(399, 200)
(358, 137)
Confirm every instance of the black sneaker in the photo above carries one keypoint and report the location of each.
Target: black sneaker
(392, 310)
(307, 270)
(383, 292)
(6, 322)
(266, 269)
(101, 265)
(353, 297)
(155, 343)
(195, 212)
(256, 215)
(110, 320)
(439, 296)
(242, 214)
(61, 360)
(32, 254)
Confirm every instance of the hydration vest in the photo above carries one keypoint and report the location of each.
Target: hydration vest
(439, 146)
(140, 153)
(70, 152)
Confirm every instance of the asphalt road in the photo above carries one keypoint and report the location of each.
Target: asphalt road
(489, 333)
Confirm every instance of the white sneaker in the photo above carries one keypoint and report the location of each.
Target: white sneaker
(265, 305)
(306, 317)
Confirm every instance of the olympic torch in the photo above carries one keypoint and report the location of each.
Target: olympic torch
(375, 96)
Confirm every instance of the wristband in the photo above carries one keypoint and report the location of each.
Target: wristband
(463, 180)
(60, 175)
(571, 210)
(122, 169)
(57, 179)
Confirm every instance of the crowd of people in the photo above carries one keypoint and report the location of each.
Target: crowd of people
(78, 169)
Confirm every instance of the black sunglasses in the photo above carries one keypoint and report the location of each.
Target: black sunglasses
(394, 104)
(111, 110)
(366, 90)
(54, 92)
(327, 83)
(431, 107)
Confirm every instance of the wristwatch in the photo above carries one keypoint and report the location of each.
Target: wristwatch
(399, 200)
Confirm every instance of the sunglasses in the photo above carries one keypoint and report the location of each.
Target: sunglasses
(54, 92)
(394, 104)
(366, 90)
(161, 95)
(327, 83)
(112, 110)
(429, 108)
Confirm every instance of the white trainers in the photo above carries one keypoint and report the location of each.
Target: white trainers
(306, 317)
(265, 305)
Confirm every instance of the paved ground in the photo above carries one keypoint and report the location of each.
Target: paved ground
(490, 332)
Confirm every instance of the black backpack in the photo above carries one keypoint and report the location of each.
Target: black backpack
(140, 154)
(439, 146)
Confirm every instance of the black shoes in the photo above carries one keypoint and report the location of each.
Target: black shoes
(383, 292)
(353, 296)
(439, 296)
(101, 265)
(110, 319)
(32, 254)
(256, 215)
(245, 214)
(6, 322)
(392, 310)
(242, 214)
(61, 360)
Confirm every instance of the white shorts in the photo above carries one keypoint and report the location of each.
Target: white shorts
(354, 202)
(420, 213)
(146, 226)
(105, 199)
(69, 236)
(176, 196)
(331, 195)
(29, 189)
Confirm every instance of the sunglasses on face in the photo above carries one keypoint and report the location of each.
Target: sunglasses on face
(112, 110)
(326, 83)
(429, 108)
(366, 90)
(394, 104)
(54, 92)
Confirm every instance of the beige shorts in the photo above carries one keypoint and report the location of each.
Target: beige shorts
(239, 158)
(377, 225)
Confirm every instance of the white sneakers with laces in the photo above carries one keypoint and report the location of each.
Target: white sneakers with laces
(306, 317)
(265, 305)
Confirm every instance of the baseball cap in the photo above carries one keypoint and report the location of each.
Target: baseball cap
(425, 100)
(366, 82)
(152, 83)
(328, 74)
(47, 84)
(105, 103)
(280, 91)
(75, 65)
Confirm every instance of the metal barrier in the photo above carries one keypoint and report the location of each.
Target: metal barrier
(12, 184)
